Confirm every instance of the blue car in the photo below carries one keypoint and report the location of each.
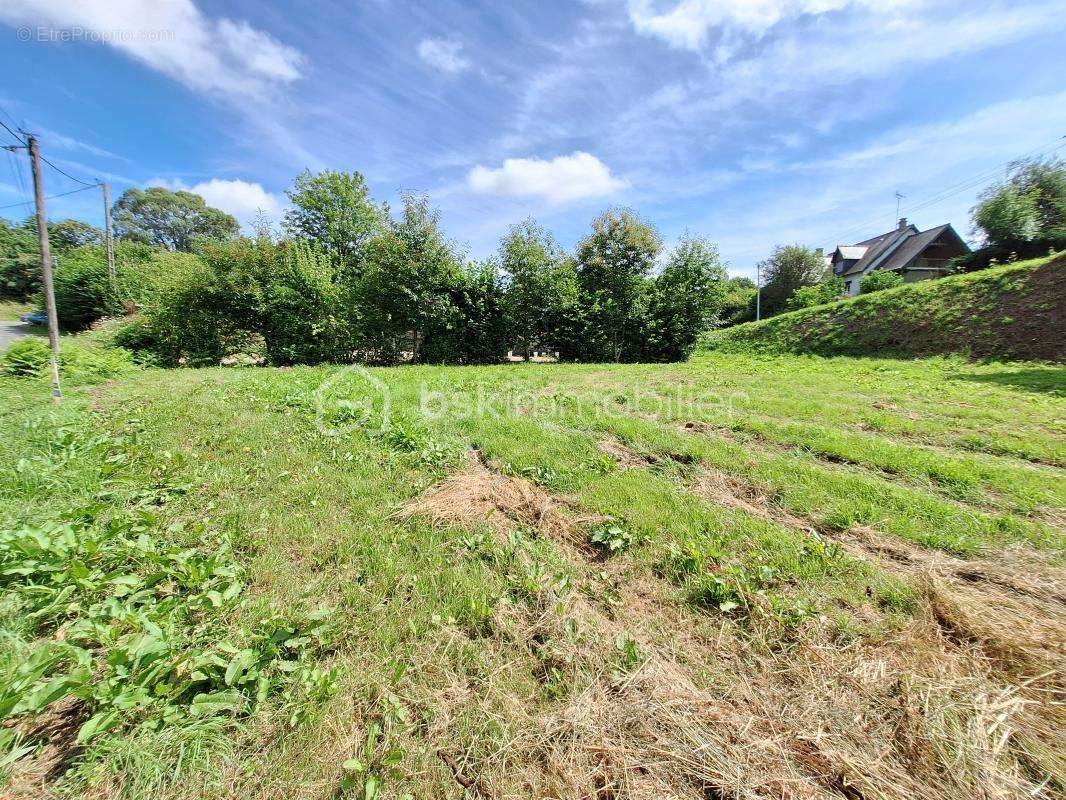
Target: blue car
(35, 318)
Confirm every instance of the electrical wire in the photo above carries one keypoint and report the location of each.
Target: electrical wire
(50, 197)
(62, 172)
(15, 164)
(962, 186)
(17, 137)
(6, 114)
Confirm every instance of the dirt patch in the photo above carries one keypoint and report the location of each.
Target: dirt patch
(626, 458)
(479, 494)
(57, 730)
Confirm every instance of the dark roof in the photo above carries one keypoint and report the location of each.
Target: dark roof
(897, 248)
(913, 247)
(878, 247)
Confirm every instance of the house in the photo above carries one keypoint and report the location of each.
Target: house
(916, 255)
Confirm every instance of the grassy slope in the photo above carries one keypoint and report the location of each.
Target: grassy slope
(479, 660)
(1011, 312)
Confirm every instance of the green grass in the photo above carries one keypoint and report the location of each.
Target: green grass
(454, 639)
(1010, 312)
(11, 310)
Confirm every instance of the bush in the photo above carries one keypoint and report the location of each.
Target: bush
(684, 300)
(20, 263)
(246, 302)
(827, 291)
(83, 292)
(25, 357)
(997, 255)
(83, 289)
(879, 280)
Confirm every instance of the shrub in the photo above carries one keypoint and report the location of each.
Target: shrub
(83, 292)
(246, 302)
(78, 363)
(684, 300)
(28, 356)
(20, 265)
(825, 292)
(880, 280)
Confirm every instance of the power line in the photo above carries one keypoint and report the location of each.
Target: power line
(15, 164)
(6, 114)
(976, 181)
(51, 196)
(965, 184)
(62, 172)
(17, 136)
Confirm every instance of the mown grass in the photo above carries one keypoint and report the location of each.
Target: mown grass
(446, 643)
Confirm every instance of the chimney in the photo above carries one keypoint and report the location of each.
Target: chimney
(902, 223)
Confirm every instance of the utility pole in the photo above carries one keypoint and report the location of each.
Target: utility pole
(46, 263)
(758, 291)
(109, 236)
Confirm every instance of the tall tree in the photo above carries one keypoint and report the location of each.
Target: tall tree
(685, 300)
(405, 289)
(613, 263)
(67, 234)
(334, 210)
(541, 287)
(789, 267)
(175, 220)
(1029, 205)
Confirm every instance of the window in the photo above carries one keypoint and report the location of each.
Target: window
(847, 286)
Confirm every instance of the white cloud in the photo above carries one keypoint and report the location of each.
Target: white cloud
(172, 36)
(562, 179)
(798, 66)
(242, 199)
(444, 54)
(687, 23)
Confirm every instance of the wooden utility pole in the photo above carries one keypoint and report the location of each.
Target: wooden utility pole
(109, 236)
(46, 264)
(758, 292)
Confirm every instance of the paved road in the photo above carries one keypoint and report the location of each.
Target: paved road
(10, 331)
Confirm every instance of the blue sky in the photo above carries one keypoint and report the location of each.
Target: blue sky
(754, 122)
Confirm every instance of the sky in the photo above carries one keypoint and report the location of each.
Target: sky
(751, 122)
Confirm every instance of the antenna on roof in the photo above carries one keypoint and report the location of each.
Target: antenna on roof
(898, 198)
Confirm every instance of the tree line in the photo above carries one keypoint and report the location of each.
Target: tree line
(345, 278)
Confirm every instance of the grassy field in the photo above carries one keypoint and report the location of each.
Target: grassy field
(1013, 312)
(739, 577)
(10, 310)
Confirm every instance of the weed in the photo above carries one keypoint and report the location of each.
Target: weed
(612, 538)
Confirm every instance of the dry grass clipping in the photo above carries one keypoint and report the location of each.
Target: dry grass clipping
(478, 495)
(925, 713)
